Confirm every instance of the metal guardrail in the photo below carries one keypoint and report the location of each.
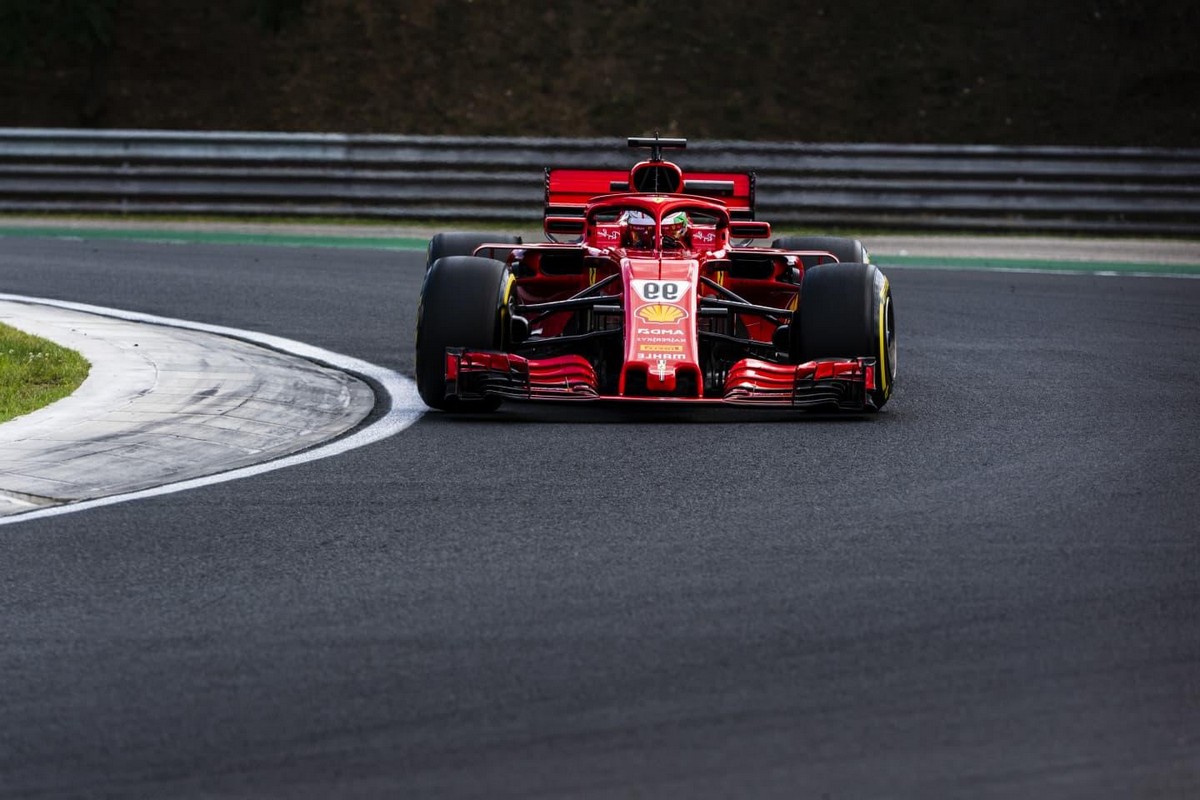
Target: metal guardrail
(970, 187)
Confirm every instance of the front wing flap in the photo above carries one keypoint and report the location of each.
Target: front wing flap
(844, 383)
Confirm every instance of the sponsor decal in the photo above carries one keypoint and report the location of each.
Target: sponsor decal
(661, 370)
(660, 348)
(662, 313)
(672, 334)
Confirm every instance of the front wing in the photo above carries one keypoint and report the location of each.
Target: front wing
(842, 383)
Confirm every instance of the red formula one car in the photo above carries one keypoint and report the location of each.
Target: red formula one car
(657, 298)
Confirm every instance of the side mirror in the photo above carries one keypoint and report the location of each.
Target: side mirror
(750, 230)
(567, 226)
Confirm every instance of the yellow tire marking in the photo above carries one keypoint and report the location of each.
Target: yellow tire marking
(508, 287)
(883, 365)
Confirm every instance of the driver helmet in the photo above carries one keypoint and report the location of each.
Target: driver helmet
(638, 229)
(675, 229)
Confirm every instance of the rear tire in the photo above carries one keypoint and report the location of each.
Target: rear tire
(845, 311)
(846, 251)
(443, 245)
(461, 306)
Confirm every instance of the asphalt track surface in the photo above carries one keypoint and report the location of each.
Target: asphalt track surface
(991, 589)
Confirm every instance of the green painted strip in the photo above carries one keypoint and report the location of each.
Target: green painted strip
(221, 237)
(956, 263)
(415, 243)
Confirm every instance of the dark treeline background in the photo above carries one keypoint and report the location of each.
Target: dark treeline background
(1083, 72)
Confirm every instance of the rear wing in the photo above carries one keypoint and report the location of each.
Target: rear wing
(569, 190)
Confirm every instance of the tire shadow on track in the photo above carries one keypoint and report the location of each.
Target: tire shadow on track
(527, 414)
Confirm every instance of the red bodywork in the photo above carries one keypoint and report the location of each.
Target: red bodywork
(698, 321)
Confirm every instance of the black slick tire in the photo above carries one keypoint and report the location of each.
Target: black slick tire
(845, 311)
(462, 303)
(846, 251)
(443, 245)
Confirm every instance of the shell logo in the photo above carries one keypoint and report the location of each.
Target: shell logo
(660, 312)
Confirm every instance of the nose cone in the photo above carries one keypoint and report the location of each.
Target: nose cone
(661, 349)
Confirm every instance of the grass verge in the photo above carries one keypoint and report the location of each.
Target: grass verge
(35, 372)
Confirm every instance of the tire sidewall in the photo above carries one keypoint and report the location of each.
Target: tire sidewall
(884, 330)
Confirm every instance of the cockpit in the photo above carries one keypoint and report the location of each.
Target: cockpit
(647, 228)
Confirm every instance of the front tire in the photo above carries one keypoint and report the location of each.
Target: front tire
(845, 311)
(462, 303)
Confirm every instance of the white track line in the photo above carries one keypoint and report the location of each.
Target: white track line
(404, 407)
(1096, 271)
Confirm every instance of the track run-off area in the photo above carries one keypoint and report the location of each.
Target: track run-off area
(990, 589)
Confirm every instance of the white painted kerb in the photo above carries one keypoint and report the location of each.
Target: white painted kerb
(166, 405)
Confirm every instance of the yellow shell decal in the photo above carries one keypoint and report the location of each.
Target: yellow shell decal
(660, 312)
